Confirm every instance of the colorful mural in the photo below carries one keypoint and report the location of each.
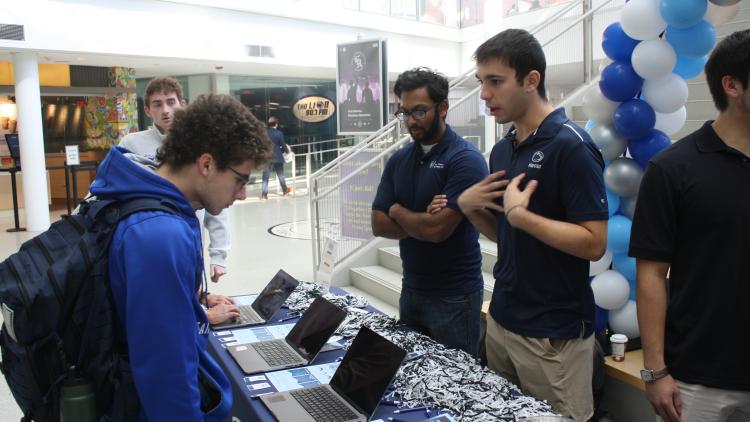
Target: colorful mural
(110, 118)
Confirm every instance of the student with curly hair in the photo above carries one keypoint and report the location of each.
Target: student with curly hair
(155, 258)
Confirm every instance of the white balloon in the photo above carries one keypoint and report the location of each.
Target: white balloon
(611, 290)
(671, 123)
(653, 59)
(625, 320)
(666, 95)
(641, 19)
(719, 15)
(598, 267)
(598, 107)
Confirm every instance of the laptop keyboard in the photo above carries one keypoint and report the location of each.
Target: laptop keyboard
(323, 405)
(247, 315)
(276, 353)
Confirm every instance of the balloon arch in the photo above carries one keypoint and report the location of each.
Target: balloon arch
(638, 103)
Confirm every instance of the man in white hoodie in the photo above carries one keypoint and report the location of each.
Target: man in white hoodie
(162, 98)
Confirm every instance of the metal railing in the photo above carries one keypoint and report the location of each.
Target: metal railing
(342, 191)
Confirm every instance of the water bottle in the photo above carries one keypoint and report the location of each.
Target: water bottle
(77, 399)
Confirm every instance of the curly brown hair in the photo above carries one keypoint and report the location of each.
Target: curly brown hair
(218, 125)
(164, 84)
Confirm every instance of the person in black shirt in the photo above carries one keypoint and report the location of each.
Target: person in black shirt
(692, 222)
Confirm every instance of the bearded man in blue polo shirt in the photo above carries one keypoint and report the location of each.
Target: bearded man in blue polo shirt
(546, 207)
(442, 285)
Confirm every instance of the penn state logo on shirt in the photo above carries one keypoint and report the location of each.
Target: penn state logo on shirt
(536, 159)
(435, 165)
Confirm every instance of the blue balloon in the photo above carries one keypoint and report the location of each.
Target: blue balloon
(618, 234)
(694, 41)
(634, 118)
(601, 317)
(642, 149)
(624, 265)
(619, 82)
(590, 124)
(617, 45)
(689, 67)
(682, 13)
(633, 288)
(613, 202)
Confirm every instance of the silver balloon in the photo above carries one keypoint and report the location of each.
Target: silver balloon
(610, 143)
(724, 2)
(627, 206)
(623, 176)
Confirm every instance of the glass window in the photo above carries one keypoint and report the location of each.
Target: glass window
(472, 13)
(405, 9)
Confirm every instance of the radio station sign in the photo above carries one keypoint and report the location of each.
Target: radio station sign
(314, 109)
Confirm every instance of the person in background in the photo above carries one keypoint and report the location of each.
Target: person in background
(277, 163)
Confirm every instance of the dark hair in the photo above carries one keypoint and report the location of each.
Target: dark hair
(218, 125)
(519, 50)
(731, 57)
(165, 84)
(436, 83)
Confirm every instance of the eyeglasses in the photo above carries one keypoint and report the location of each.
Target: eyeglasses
(417, 114)
(244, 178)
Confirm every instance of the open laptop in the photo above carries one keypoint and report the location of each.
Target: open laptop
(267, 303)
(299, 347)
(355, 389)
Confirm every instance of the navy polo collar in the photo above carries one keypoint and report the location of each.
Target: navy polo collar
(548, 129)
(440, 146)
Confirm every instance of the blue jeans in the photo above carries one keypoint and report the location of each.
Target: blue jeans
(279, 169)
(450, 320)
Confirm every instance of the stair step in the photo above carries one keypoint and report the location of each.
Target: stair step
(390, 257)
(379, 281)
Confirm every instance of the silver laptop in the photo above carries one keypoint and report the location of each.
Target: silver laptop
(268, 302)
(355, 389)
(299, 347)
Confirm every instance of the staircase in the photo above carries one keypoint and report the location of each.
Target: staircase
(384, 279)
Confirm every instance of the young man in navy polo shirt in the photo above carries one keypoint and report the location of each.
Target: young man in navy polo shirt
(442, 285)
(546, 207)
(693, 221)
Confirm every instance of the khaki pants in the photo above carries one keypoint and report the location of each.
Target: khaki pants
(558, 371)
(701, 403)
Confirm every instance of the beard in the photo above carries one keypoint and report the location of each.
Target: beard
(430, 133)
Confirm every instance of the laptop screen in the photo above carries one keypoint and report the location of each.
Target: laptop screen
(316, 326)
(367, 369)
(274, 294)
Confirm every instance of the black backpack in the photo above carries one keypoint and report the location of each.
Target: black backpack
(58, 312)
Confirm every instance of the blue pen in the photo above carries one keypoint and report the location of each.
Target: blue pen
(396, 419)
(288, 318)
(391, 402)
(415, 409)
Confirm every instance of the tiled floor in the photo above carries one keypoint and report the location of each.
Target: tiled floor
(255, 256)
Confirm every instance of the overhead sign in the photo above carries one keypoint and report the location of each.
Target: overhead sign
(314, 109)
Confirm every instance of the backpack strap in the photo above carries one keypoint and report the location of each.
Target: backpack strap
(133, 206)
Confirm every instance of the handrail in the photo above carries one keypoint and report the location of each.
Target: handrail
(380, 155)
(320, 142)
(358, 147)
(577, 21)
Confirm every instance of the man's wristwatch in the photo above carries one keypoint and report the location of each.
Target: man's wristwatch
(649, 375)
